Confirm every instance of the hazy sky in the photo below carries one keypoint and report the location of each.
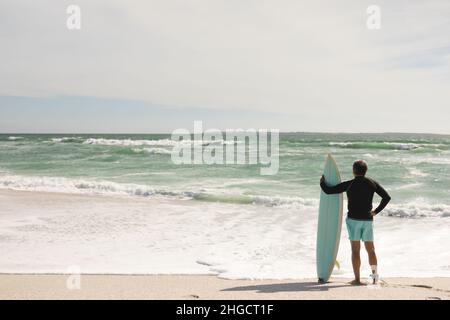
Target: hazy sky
(153, 66)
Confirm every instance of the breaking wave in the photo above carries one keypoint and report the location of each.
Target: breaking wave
(416, 209)
(376, 145)
(152, 150)
(14, 138)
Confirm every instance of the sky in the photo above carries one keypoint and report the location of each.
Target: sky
(155, 66)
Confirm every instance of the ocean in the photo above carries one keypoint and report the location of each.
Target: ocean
(217, 219)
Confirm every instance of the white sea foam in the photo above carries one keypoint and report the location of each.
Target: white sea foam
(435, 160)
(14, 138)
(152, 150)
(376, 145)
(402, 146)
(417, 209)
(160, 142)
(154, 143)
(416, 172)
(65, 185)
(148, 236)
(289, 202)
(412, 185)
(66, 139)
(368, 155)
(130, 142)
(414, 209)
(340, 144)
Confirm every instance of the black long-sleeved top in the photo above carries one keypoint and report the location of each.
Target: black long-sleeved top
(360, 193)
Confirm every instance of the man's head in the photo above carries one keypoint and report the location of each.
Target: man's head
(359, 168)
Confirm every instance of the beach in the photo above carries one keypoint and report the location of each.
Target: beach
(195, 287)
(25, 273)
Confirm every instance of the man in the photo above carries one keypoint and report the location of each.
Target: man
(360, 215)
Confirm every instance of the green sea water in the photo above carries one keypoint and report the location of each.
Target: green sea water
(414, 168)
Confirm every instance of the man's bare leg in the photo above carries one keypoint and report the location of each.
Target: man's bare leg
(370, 248)
(356, 261)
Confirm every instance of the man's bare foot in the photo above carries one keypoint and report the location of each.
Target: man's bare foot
(356, 283)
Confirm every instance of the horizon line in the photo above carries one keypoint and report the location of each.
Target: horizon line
(222, 130)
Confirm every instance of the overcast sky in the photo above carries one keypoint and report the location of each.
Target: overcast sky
(153, 66)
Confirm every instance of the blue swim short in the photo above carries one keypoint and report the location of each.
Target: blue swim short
(359, 230)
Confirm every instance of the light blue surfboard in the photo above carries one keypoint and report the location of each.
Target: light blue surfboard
(330, 223)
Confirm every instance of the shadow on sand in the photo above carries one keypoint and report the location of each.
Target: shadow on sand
(287, 287)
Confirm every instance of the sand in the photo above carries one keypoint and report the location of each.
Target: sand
(15, 286)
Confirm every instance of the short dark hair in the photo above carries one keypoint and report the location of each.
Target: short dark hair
(360, 168)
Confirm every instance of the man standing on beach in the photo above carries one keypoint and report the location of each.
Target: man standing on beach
(360, 215)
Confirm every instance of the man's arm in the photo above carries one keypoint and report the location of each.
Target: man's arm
(339, 188)
(385, 197)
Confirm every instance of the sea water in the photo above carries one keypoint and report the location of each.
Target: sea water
(219, 219)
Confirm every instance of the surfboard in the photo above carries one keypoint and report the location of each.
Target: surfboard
(329, 224)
